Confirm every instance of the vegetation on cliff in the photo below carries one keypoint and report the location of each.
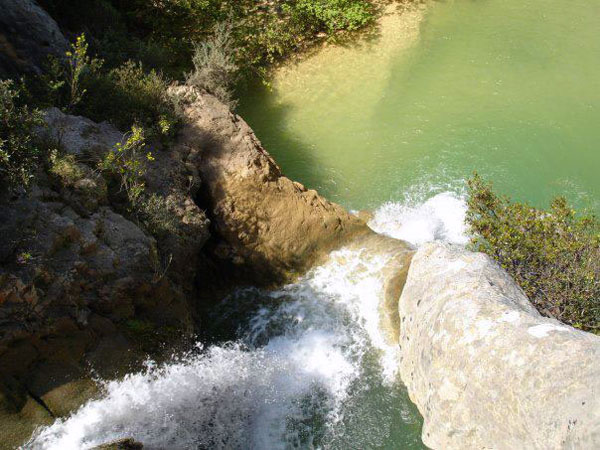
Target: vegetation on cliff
(124, 55)
(554, 255)
(19, 154)
(162, 35)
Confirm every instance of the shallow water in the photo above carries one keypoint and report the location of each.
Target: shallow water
(508, 88)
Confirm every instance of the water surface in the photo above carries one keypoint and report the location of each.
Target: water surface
(505, 87)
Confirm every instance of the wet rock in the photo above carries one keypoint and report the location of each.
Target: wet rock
(485, 369)
(121, 444)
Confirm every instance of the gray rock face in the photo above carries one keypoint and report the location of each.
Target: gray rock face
(27, 36)
(75, 273)
(485, 369)
(78, 135)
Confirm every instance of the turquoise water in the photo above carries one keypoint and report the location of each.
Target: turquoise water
(508, 88)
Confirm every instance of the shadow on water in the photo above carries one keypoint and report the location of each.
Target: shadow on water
(274, 119)
(269, 119)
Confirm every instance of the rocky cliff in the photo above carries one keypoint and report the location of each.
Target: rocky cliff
(269, 225)
(485, 369)
(85, 285)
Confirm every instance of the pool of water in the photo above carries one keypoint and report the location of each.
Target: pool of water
(508, 88)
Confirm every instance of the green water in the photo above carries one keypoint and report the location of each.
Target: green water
(505, 87)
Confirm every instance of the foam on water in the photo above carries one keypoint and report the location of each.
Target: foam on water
(439, 218)
(308, 361)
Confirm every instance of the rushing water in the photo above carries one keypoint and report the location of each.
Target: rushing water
(396, 124)
(310, 367)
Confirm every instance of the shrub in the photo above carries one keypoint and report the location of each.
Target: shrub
(125, 96)
(64, 83)
(334, 15)
(127, 163)
(79, 65)
(19, 153)
(128, 96)
(553, 255)
(65, 168)
(157, 217)
(214, 67)
(263, 32)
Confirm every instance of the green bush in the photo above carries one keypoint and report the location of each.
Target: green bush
(263, 32)
(215, 69)
(125, 167)
(334, 15)
(127, 95)
(554, 255)
(19, 153)
(156, 216)
(127, 163)
(178, 36)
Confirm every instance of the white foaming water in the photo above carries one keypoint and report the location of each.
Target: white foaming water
(310, 367)
(440, 218)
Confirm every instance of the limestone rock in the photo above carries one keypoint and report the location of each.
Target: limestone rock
(268, 222)
(485, 369)
(27, 36)
(78, 135)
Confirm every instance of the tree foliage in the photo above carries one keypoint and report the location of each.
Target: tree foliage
(19, 153)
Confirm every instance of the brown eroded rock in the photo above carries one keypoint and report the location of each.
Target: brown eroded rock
(267, 222)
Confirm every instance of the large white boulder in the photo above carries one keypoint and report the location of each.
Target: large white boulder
(485, 369)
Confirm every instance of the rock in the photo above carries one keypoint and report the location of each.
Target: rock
(269, 224)
(87, 282)
(121, 444)
(28, 35)
(485, 369)
(78, 135)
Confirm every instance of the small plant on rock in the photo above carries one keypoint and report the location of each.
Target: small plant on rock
(127, 161)
(215, 69)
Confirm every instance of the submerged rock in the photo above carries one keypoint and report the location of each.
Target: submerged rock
(121, 444)
(485, 369)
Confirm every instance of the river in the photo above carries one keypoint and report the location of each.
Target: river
(394, 124)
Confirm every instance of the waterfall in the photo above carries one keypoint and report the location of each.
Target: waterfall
(310, 367)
